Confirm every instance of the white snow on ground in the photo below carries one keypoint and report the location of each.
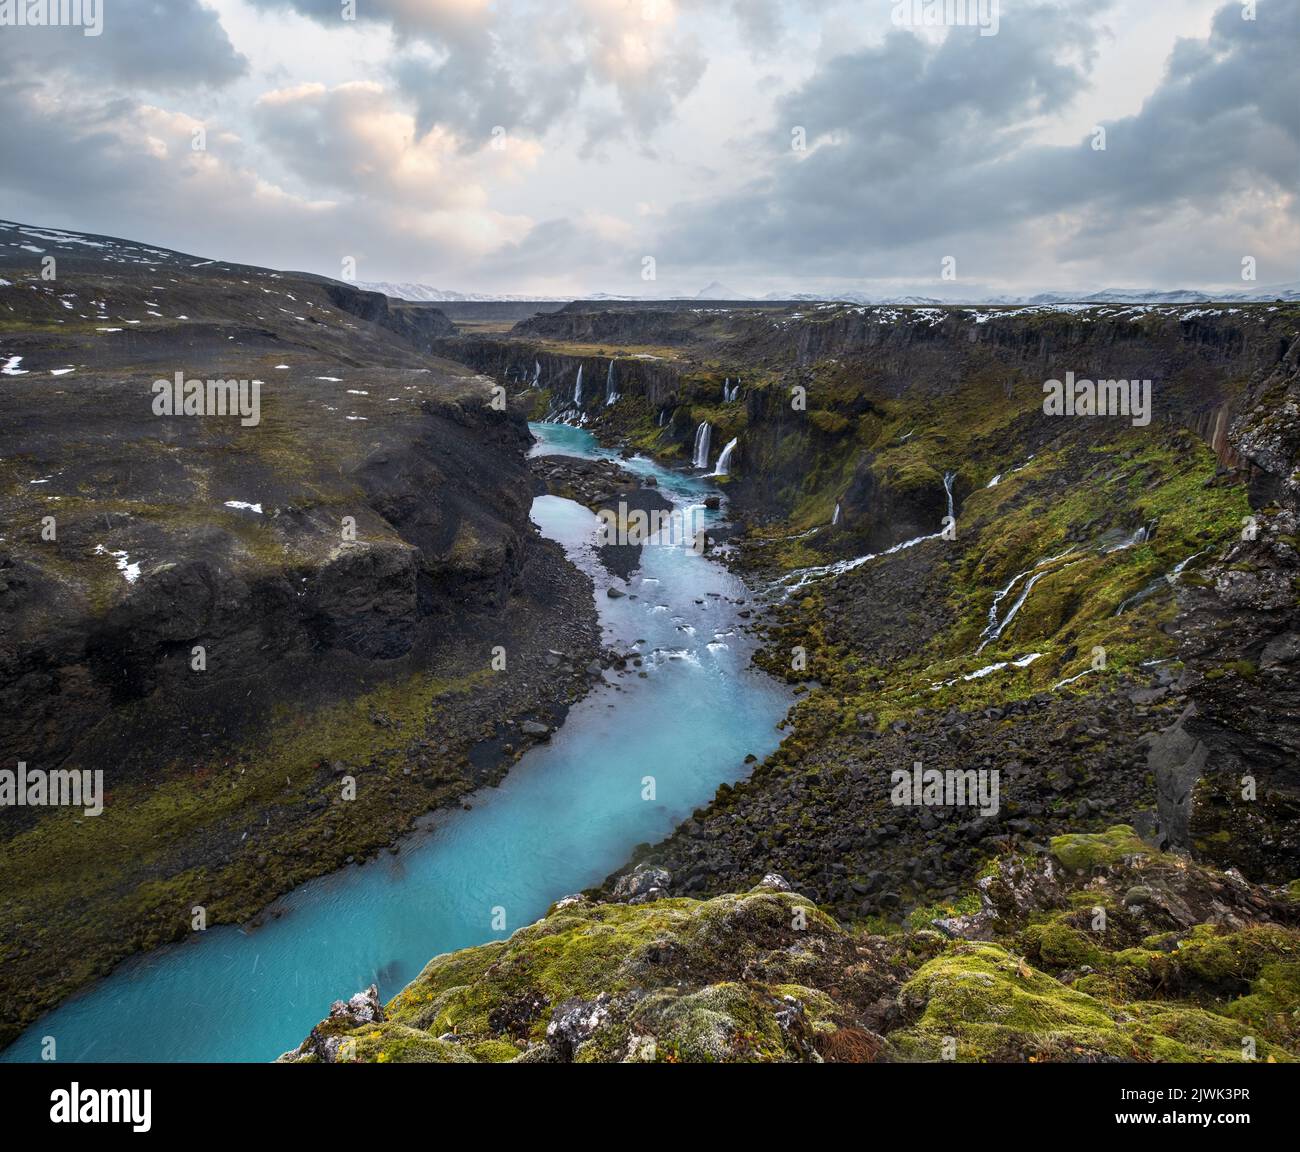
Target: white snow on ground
(11, 367)
(108, 329)
(244, 504)
(61, 371)
(130, 572)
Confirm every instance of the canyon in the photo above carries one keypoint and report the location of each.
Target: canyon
(922, 565)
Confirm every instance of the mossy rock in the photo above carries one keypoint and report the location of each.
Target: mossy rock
(1056, 944)
(989, 1002)
(508, 989)
(981, 1003)
(1085, 851)
(392, 1043)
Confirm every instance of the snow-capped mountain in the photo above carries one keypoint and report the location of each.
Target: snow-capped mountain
(718, 291)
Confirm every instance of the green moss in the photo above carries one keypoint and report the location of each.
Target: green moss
(991, 1003)
(997, 1007)
(1272, 1007)
(390, 1043)
(1057, 944)
(507, 990)
(723, 1022)
(493, 1051)
(1082, 852)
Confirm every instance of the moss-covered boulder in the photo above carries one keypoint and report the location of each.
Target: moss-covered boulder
(1142, 956)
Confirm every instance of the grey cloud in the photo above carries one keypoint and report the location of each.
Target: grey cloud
(915, 145)
(523, 67)
(759, 23)
(144, 43)
(421, 19)
(474, 95)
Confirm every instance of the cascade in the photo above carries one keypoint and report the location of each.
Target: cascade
(702, 436)
(724, 459)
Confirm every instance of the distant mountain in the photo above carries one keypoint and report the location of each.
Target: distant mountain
(719, 291)
(424, 293)
(1265, 294)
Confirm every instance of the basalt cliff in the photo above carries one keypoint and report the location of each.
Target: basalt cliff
(272, 632)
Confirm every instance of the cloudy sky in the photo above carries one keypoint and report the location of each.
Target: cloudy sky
(551, 146)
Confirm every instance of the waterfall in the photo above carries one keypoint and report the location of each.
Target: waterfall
(1036, 573)
(724, 460)
(730, 391)
(537, 372)
(1140, 536)
(1169, 578)
(610, 395)
(663, 417)
(702, 436)
(802, 577)
(577, 389)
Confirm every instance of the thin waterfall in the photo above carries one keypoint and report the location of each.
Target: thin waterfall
(1169, 578)
(702, 436)
(537, 372)
(724, 459)
(802, 577)
(1043, 568)
(1140, 536)
(663, 417)
(577, 389)
(835, 519)
(610, 395)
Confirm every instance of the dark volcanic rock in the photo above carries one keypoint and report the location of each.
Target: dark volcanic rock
(1230, 773)
(217, 611)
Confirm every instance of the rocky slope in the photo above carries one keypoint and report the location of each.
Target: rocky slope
(274, 637)
(1093, 949)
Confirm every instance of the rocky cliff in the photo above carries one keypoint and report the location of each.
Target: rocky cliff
(273, 632)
